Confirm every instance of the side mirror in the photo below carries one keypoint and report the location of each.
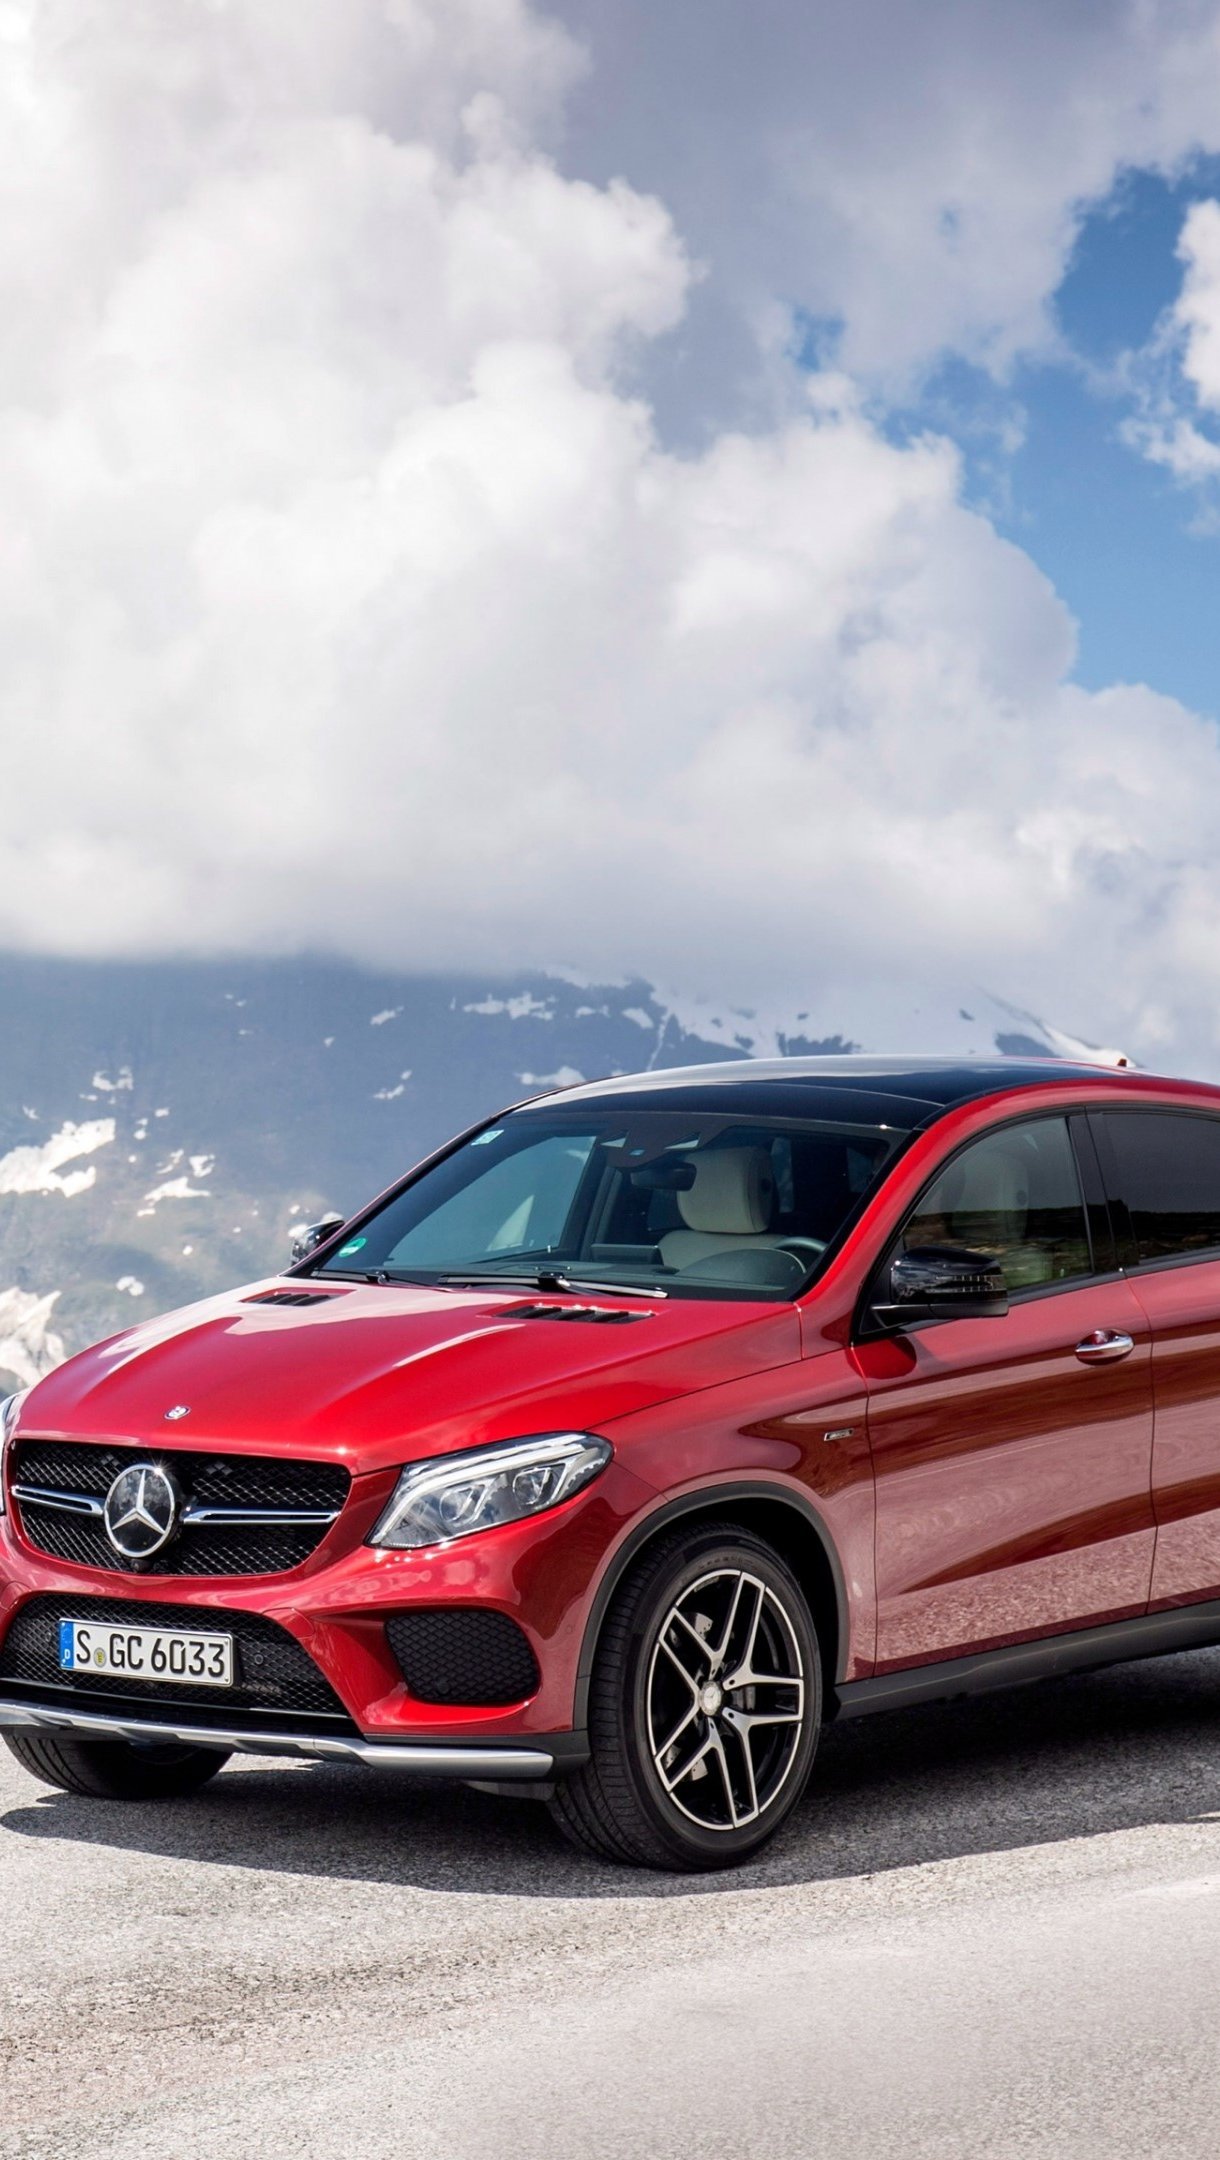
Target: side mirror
(944, 1282)
(311, 1235)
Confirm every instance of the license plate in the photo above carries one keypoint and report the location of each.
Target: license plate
(146, 1653)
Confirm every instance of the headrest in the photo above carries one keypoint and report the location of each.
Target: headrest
(989, 1181)
(733, 1192)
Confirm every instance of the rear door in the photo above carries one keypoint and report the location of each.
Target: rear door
(1163, 1167)
(1013, 1456)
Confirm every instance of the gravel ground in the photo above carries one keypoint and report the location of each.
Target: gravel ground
(990, 1931)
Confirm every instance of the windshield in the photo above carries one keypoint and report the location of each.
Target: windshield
(694, 1205)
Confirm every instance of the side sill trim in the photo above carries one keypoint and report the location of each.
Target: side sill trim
(423, 1760)
(1159, 1634)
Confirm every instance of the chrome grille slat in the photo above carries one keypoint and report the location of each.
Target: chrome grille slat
(68, 1503)
(257, 1518)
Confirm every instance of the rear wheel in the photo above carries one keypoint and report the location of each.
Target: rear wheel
(704, 1708)
(116, 1769)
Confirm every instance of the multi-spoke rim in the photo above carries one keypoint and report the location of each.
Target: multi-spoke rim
(726, 1700)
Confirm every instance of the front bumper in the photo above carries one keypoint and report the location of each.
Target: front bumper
(490, 1764)
(541, 1573)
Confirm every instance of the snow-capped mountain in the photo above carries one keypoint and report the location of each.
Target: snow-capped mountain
(164, 1126)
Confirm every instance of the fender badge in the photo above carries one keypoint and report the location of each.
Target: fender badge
(180, 1410)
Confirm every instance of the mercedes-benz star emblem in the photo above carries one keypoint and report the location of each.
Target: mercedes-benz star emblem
(140, 1512)
(180, 1409)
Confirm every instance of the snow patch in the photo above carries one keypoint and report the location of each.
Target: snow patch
(33, 1114)
(36, 1169)
(179, 1188)
(28, 1347)
(202, 1165)
(1059, 1044)
(379, 1018)
(132, 1284)
(566, 1077)
(524, 1007)
(637, 1013)
(161, 1113)
(124, 1082)
(391, 1094)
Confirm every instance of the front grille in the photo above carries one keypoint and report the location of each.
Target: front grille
(463, 1654)
(276, 1678)
(213, 1481)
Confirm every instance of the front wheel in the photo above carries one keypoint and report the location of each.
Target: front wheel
(116, 1769)
(704, 1708)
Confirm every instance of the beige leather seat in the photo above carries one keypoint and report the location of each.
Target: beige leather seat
(727, 1209)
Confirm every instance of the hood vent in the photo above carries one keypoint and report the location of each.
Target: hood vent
(596, 1315)
(291, 1297)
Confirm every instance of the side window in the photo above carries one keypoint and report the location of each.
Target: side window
(1015, 1193)
(1168, 1169)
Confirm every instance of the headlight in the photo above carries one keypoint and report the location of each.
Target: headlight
(451, 1496)
(10, 1411)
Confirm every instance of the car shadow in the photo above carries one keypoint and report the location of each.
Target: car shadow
(1070, 1758)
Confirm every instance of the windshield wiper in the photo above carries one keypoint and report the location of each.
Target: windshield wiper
(551, 1279)
(377, 1275)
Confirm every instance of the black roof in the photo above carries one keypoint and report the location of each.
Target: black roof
(876, 1090)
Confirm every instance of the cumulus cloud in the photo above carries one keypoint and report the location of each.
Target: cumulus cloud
(1177, 380)
(913, 171)
(352, 596)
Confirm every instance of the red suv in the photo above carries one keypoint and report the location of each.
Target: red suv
(634, 1434)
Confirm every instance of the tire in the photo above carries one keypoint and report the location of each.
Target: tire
(116, 1769)
(702, 1606)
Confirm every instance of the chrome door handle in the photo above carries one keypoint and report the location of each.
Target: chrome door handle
(1104, 1346)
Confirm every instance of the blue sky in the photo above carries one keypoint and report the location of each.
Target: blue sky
(1121, 541)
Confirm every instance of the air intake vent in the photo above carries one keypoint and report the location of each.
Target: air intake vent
(463, 1654)
(596, 1315)
(290, 1297)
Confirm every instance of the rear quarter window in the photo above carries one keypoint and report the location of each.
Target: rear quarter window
(1166, 1164)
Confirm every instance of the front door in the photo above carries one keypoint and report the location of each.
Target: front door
(1012, 1456)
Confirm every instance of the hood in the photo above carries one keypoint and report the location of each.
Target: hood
(377, 1375)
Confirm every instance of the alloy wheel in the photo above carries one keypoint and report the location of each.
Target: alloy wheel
(725, 1700)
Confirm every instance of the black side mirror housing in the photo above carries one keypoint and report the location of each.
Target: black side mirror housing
(944, 1282)
(311, 1235)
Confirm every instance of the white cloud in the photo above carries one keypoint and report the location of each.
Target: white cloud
(1177, 380)
(917, 168)
(1198, 308)
(353, 598)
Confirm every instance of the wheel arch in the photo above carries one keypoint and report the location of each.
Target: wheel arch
(786, 1519)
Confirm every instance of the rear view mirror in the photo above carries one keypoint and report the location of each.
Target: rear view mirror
(311, 1235)
(944, 1282)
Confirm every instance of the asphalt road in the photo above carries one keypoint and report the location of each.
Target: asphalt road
(993, 1930)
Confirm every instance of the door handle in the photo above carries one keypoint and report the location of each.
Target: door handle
(1104, 1346)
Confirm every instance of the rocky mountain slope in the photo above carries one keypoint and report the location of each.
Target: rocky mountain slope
(163, 1126)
